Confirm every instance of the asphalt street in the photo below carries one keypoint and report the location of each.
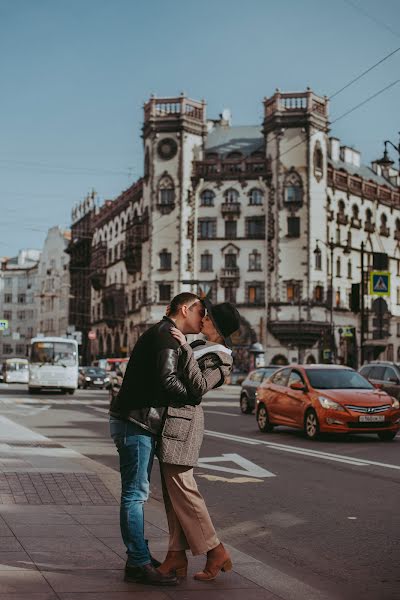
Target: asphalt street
(326, 512)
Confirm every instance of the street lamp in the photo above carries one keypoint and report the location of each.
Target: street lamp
(385, 162)
(331, 246)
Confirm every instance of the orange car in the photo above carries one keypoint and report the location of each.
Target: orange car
(326, 399)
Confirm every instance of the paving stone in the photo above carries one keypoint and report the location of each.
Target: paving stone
(27, 581)
(91, 581)
(49, 530)
(79, 554)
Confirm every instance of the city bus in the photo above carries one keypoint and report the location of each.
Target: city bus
(15, 370)
(53, 364)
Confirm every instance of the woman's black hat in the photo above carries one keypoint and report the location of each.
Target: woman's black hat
(226, 318)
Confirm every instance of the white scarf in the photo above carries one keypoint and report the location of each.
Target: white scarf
(210, 347)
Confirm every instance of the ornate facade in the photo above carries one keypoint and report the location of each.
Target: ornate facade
(254, 215)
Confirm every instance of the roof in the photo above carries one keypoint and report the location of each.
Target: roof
(243, 138)
(363, 171)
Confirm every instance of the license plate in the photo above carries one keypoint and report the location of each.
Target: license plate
(98, 381)
(373, 418)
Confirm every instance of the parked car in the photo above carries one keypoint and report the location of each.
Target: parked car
(383, 374)
(93, 377)
(250, 385)
(326, 398)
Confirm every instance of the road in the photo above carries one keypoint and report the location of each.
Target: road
(326, 512)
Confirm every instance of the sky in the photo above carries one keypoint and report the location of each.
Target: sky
(74, 75)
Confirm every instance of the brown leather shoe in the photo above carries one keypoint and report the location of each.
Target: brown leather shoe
(218, 560)
(148, 575)
(175, 563)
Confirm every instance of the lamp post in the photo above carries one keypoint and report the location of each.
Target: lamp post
(331, 246)
(385, 161)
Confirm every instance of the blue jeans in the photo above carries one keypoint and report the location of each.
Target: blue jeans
(136, 448)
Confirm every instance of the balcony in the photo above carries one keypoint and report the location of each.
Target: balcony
(299, 333)
(384, 231)
(97, 273)
(230, 208)
(218, 169)
(369, 227)
(230, 277)
(113, 304)
(342, 219)
(355, 223)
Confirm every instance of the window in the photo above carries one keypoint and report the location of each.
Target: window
(318, 259)
(166, 197)
(255, 293)
(207, 198)
(376, 373)
(292, 291)
(338, 236)
(256, 376)
(165, 260)
(398, 295)
(390, 375)
(230, 294)
(230, 261)
(8, 298)
(318, 293)
(231, 195)
(349, 270)
(293, 224)
(255, 228)
(280, 377)
(21, 315)
(255, 261)
(338, 298)
(293, 188)
(295, 377)
(7, 349)
(398, 330)
(338, 267)
(207, 228)
(7, 315)
(256, 197)
(231, 230)
(164, 292)
(206, 262)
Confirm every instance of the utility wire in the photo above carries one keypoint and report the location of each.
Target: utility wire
(372, 17)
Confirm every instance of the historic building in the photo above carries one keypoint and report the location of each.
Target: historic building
(53, 284)
(270, 217)
(18, 303)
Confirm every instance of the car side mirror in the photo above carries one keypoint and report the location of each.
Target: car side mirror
(393, 380)
(378, 386)
(298, 386)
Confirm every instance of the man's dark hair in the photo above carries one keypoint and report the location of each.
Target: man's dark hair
(180, 300)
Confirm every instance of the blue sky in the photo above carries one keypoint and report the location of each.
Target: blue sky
(75, 74)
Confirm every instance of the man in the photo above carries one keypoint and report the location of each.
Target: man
(152, 381)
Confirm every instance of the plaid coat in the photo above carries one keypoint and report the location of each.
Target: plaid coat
(183, 430)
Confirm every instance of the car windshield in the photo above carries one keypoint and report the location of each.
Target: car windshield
(95, 371)
(337, 379)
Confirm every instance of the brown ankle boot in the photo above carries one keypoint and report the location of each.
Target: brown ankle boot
(218, 560)
(175, 563)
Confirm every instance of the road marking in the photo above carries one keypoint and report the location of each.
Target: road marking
(219, 403)
(232, 480)
(218, 412)
(247, 467)
(359, 462)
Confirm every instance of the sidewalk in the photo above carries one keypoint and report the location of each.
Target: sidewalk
(60, 539)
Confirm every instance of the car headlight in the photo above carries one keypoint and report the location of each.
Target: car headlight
(106, 380)
(87, 379)
(327, 403)
(395, 403)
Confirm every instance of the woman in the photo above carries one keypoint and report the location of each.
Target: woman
(190, 525)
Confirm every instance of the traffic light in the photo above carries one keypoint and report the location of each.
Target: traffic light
(355, 298)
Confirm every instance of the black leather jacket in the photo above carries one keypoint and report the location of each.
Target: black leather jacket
(153, 379)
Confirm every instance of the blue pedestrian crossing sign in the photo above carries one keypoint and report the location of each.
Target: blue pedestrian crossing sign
(3, 324)
(379, 283)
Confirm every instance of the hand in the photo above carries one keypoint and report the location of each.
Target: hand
(178, 335)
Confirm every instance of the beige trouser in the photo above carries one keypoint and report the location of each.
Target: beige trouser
(189, 523)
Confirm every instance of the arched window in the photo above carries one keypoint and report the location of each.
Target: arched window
(231, 196)
(166, 193)
(355, 211)
(147, 163)
(369, 225)
(255, 261)
(293, 188)
(397, 232)
(341, 207)
(318, 293)
(256, 197)
(318, 162)
(207, 198)
(318, 259)
(349, 270)
(384, 230)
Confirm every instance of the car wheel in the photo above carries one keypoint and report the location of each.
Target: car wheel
(244, 405)
(71, 392)
(387, 436)
(311, 425)
(32, 390)
(263, 421)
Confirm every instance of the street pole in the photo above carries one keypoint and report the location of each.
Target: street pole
(333, 356)
(362, 331)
